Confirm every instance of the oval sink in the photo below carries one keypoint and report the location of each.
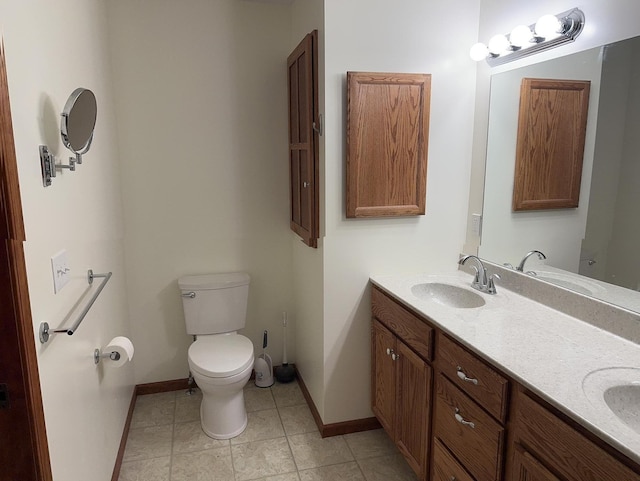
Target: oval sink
(616, 389)
(447, 295)
(624, 401)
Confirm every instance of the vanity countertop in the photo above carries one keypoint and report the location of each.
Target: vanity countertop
(557, 356)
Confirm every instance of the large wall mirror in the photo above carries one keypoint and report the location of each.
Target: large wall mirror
(592, 249)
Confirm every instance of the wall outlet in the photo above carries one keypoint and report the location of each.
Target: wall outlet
(61, 271)
(476, 224)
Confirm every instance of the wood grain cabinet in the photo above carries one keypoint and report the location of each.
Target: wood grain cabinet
(545, 447)
(387, 143)
(401, 386)
(302, 76)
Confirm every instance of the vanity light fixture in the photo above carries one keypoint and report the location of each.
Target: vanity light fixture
(548, 32)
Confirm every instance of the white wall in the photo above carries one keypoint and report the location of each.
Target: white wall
(307, 268)
(405, 36)
(52, 48)
(606, 22)
(201, 103)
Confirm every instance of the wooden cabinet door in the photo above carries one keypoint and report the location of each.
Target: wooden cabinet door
(383, 379)
(387, 143)
(525, 467)
(302, 68)
(413, 396)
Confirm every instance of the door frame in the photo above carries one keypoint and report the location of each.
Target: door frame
(12, 234)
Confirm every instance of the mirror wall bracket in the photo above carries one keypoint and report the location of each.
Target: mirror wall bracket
(48, 165)
(548, 32)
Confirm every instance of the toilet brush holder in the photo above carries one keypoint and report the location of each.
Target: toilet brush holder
(264, 371)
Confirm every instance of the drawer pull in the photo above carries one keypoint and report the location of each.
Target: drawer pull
(462, 421)
(463, 376)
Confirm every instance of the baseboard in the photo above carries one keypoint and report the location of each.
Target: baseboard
(335, 429)
(125, 434)
(162, 386)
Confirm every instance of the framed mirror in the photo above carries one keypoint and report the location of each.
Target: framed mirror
(588, 248)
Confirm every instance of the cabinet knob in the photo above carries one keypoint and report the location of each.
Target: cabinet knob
(389, 351)
(305, 184)
(463, 421)
(395, 356)
(463, 376)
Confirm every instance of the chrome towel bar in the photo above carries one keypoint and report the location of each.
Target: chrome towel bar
(45, 331)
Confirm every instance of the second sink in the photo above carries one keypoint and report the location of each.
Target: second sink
(447, 295)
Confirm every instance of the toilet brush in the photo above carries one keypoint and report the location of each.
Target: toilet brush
(285, 373)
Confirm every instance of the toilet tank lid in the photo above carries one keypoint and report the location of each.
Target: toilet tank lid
(214, 281)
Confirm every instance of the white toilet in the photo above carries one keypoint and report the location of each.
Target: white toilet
(221, 361)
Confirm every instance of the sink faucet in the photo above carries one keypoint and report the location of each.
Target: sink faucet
(541, 256)
(481, 281)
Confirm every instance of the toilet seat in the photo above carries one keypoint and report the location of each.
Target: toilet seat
(221, 355)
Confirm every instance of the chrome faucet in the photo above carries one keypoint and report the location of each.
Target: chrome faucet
(481, 281)
(520, 267)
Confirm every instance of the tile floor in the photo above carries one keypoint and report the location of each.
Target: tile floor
(281, 443)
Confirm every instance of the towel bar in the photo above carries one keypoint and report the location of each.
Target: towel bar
(45, 331)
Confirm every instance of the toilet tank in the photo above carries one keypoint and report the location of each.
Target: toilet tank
(214, 303)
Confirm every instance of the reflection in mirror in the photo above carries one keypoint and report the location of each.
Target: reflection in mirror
(76, 128)
(78, 121)
(596, 239)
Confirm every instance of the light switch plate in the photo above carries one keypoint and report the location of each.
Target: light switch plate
(61, 271)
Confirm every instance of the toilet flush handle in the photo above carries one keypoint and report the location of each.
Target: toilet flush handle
(189, 294)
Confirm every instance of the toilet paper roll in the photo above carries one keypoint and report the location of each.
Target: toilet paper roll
(123, 346)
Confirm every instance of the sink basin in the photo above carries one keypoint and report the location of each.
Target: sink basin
(447, 295)
(616, 389)
(624, 401)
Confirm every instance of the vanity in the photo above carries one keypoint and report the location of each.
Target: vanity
(478, 387)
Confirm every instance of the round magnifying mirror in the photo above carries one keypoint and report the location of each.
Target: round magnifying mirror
(78, 121)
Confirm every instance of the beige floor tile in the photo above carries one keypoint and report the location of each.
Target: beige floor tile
(189, 437)
(297, 420)
(261, 425)
(188, 407)
(337, 472)
(258, 398)
(147, 443)
(311, 451)
(370, 444)
(385, 468)
(157, 469)
(211, 465)
(261, 459)
(288, 394)
(154, 410)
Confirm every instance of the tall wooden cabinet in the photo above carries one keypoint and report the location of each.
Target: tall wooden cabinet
(302, 76)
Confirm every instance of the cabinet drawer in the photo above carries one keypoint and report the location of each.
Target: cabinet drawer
(557, 444)
(473, 436)
(407, 326)
(474, 377)
(445, 467)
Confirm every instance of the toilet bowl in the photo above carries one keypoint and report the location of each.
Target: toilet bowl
(221, 365)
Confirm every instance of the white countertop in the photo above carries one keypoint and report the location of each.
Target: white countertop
(547, 351)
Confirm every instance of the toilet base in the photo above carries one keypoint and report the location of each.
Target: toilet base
(223, 416)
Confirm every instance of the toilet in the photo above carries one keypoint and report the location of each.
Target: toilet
(220, 359)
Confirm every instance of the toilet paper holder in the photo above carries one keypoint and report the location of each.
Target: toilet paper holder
(97, 355)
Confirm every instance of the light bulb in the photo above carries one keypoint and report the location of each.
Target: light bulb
(498, 44)
(548, 26)
(520, 36)
(479, 51)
